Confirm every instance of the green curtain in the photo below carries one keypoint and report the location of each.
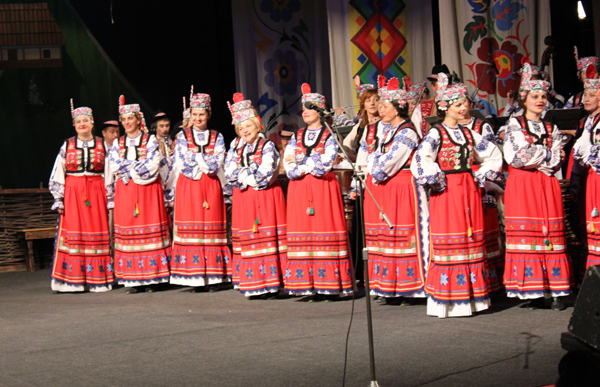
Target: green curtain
(34, 103)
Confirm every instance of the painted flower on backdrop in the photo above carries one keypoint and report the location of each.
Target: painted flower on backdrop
(284, 72)
(479, 6)
(280, 10)
(507, 60)
(505, 12)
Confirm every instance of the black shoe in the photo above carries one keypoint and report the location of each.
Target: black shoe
(270, 296)
(558, 304)
(537, 303)
(317, 298)
(132, 290)
(214, 288)
(256, 297)
(150, 289)
(199, 289)
(408, 302)
(393, 300)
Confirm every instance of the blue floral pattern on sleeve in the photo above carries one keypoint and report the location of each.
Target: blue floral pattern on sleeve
(140, 166)
(263, 179)
(381, 160)
(295, 173)
(212, 161)
(323, 163)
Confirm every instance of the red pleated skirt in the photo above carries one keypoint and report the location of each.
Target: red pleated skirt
(397, 268)
(536, 261)
(318, 260)
(592, 223)
(237, 212)
(458, 270)
(82, 254)
(495, 257)
(142, 241)
(262, 238)
(371, 215)
(200, 252)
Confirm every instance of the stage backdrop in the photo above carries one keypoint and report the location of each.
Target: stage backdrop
(477, 33)
(278, 46)
(383, 37)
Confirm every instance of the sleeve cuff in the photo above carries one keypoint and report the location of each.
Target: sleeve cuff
(58, 204)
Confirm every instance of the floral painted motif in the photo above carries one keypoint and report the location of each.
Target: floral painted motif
(284, 72)
(460, 279)
(528, 271)
(556, 272)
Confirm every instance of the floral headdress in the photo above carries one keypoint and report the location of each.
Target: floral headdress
(413, 91)
(527, 84)
(446, 94)
(361, 88)
(131, 109)
(590, 82)
(315, 98)
(80, 111)
(380, 84)
(535, 70)
(241, 110)
(199, 100)
(582, 63)
(393, 92)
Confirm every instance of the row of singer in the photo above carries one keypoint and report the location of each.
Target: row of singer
(436, 190)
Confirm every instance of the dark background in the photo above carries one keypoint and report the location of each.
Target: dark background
(164, 47)
(161, 48)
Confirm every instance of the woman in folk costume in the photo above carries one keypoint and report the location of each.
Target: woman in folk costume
(259, 211)
(495, 256)
(367, 114)
(457, 280)
(585, 152)
(317, 240)
(341, 118)
(537, 265)
(200, 252)
(414, 94)
(82, 254)
(142, 241)
(397, 267)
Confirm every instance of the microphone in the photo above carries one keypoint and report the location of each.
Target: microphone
(493, 64)
(320, 110)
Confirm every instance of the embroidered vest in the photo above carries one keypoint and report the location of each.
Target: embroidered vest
(544, 139)
(140, 150)
(372, 139)
(208, 149)
(577, 100)
(318, 146)
(477, 125)
(426, 109)
(452, 156)
(254, 157)
(74, 157)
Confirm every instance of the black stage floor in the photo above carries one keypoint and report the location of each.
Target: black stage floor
(177, 338)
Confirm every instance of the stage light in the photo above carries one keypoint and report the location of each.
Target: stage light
(581, 11)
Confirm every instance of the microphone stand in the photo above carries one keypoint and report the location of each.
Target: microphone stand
(365, 252)
(483, 80)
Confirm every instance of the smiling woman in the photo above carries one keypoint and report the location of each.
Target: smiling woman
(82, 256)
(258, 216)
(457, 281)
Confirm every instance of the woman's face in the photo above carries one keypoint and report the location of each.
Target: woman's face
(199, 118)
(590, 100)
(412, 104)
(309, 116)
(371, 105)
(83, 126)
(388, 112)
(458, 109)
(536, 101)
(131, 123)
(249, 131)
(380, 107)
